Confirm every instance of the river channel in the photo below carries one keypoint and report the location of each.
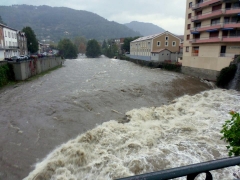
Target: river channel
(108, 119)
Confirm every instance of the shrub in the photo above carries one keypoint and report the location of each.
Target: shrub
(172, 67)
(226, 75)
(6, 74)
(231, 134)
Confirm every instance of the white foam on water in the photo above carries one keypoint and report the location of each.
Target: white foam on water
(185, 132)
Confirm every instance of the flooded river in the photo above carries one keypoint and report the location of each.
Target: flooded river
(93, 107)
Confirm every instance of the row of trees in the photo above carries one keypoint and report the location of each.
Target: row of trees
(70, 49)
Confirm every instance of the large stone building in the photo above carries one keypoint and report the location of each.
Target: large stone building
(153, 47)
(212, 36)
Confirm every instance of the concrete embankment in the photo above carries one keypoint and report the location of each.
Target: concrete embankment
(26, 69)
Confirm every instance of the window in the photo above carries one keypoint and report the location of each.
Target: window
(158, 43)
(12, 35)
(190, 5)
(166, 43)
(187, 49)
(189, 26)
(189, 15)
(199, 13)
(5, 33)
(215, 21)
(214, 34)
(9, 34)
(174, 43)
(166, 38)
(188, 36)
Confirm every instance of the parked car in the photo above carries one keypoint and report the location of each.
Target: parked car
(15, 58)
(23, 57)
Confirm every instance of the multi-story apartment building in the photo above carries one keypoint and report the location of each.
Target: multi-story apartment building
(146, 47)
(10, 41)
(22, 43)
(212, 36)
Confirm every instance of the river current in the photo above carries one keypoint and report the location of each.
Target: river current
(105, 119)
(181, 133)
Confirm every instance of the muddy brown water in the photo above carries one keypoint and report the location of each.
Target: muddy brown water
(39, 115)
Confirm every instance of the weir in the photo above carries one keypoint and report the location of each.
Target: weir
(235, 83)
(191, 171)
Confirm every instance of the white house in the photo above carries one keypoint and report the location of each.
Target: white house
(10, 41)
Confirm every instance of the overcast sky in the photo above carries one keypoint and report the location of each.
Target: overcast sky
(168, 14)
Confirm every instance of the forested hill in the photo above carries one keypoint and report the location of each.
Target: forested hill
(144, 29)
(55, 23)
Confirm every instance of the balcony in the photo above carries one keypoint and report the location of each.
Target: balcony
(231, 25)
(207, 27)
(231, 38)
(206, 40)
(204, 3)
(208, 15)
(234, 10)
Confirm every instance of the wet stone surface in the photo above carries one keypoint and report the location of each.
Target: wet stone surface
(39, 115)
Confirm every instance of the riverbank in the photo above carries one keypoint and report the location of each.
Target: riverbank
(39, 115)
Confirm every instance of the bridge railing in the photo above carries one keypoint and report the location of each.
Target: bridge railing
(190, 171)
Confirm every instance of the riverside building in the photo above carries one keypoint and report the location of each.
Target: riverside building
(211, 36)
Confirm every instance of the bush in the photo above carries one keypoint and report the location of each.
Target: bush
(231, 134)
(226, 75)
(172, 67)
(6, 74)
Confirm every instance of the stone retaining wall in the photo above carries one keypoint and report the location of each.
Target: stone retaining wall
(26, 69)
(201, 73)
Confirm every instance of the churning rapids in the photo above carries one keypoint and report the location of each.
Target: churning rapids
(180, 124)
(182, 133)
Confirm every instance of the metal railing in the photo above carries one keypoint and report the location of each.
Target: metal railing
(191, 171)
(203, 2)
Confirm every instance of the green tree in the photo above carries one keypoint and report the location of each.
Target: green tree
(126, 44)
(93, 49)
(32, 42)
(67, 49)
(231, 134)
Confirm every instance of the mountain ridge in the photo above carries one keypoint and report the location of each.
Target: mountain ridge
(55, 23)
(144, 28)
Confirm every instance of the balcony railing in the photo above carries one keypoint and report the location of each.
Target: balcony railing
(231, 24)
(209, 15)
(206, 40)
(204, 3)
(230, 38)
(207, 27)
(191, 171)
(228, 11)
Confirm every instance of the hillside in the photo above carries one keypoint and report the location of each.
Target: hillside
(144, 29)
(55, 23)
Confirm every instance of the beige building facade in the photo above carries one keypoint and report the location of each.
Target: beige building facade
(211, 36)
(149, 46)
